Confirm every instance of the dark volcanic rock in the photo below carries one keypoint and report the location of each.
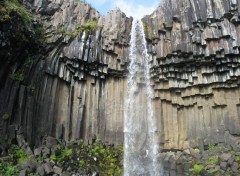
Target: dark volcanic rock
(73, 84)
(194, 51)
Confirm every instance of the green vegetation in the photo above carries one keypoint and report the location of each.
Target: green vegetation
(89, 26)
(149, 29)
(8, 7)
(197, 168)
(23, 38)
(17, 76)
(212, 160)
(7, 164)
(65, 152)
(237, 159)
(211, 146)
(5, 116)
(19, 154)
(212, 171)
(7, 170)
(105, 160)
(20, 20)
(97, 157)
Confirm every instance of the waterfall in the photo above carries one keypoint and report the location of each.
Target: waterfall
(141, 144)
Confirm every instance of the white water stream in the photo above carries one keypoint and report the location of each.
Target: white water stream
(141, 144)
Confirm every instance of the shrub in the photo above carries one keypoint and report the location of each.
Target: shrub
(11, 170)
(5, 116)
(7, 168)
(17, 77)
(10, 6)
(64, 153)
(197, 168)
(19, 154)
(211, 146)
(212, 160)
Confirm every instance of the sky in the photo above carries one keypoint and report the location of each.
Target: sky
(134, 8)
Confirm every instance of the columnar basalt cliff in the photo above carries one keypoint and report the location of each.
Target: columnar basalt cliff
(74, 85)
(77, 87)
(83, 90)
(195, 70)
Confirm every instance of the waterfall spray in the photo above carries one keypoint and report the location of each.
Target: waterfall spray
(141, 144)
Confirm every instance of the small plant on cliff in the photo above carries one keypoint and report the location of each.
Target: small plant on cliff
(211, 146)
(89, 26)
(65, 152)
(17, 77)
(197, 168)
(19, 154)
(5, 116)
(212, 160)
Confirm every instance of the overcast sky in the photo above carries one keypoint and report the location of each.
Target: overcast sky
(135, 8)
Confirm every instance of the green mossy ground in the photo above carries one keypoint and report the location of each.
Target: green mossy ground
(210, 162)
(97, 158)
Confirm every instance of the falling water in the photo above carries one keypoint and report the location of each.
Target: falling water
(141, 145)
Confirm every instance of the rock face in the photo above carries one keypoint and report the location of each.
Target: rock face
(194, 46)
(79, 84)
(76, 86)
(81, 95)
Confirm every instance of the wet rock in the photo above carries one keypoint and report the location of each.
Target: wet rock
(50, 141)
(173, 165)
(41, 170)
(235, 167)
(187, 166)
(31, 164)
(166, 162)
(55, 150)
(204, 172)
(52, 163)
(173, 173)
(48, 168)
(223, 165)
(57, 170)
(38, 151)
(21, 141)
(187, 151)
(27, 150)
(230, 161)
(180, 169)
(225, 156)
(23, 173)
(46, 150)
(66, 173)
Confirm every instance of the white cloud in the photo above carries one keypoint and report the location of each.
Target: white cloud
(135, 10)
